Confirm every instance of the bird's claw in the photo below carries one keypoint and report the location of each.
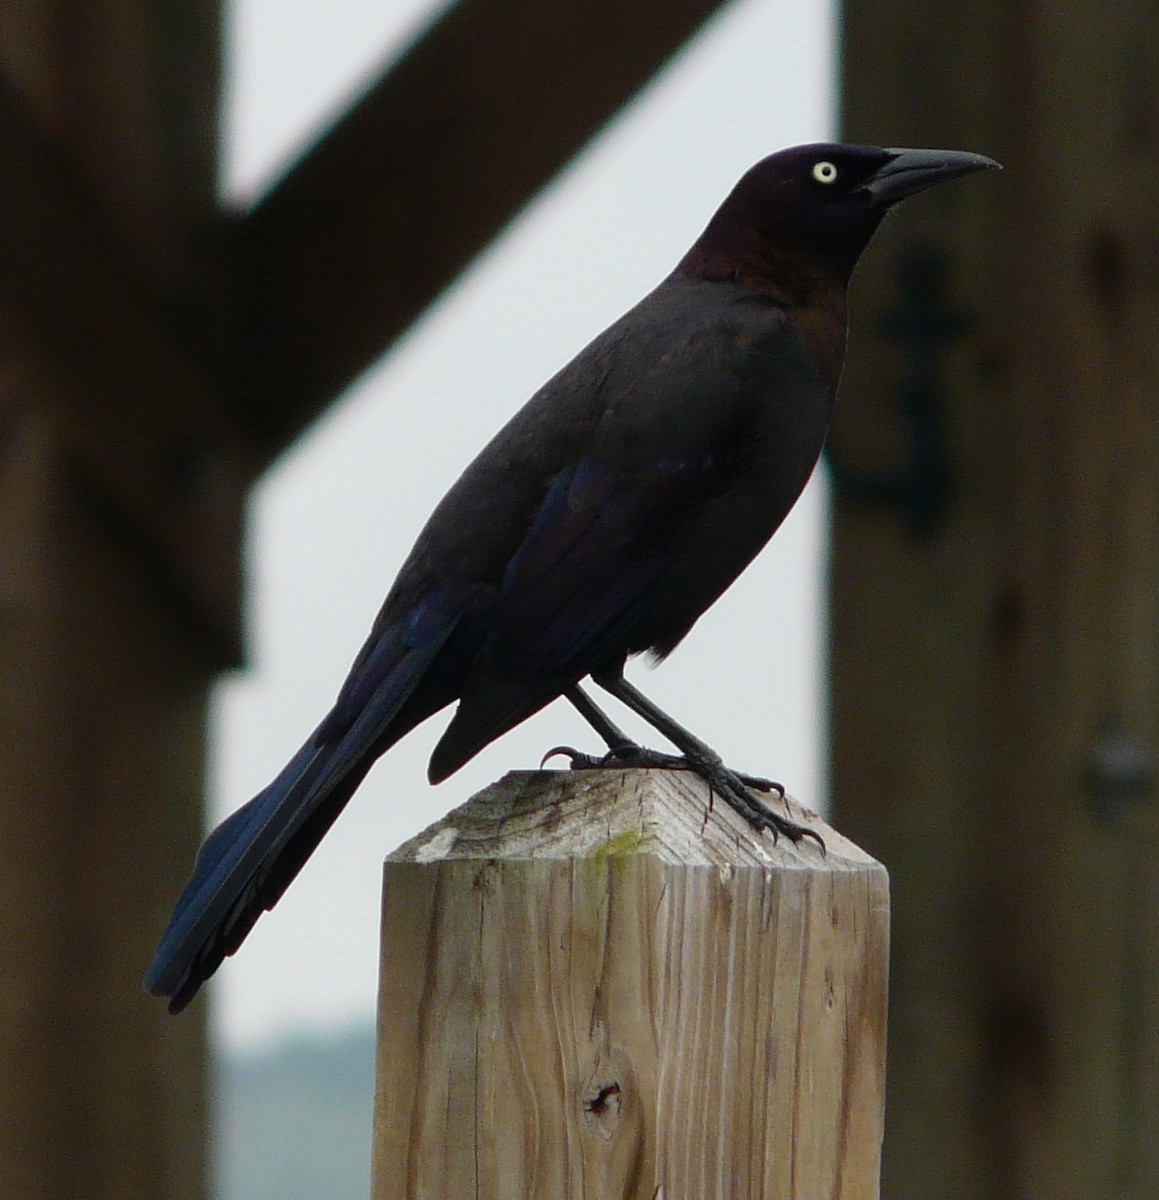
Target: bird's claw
(733, 789)
(760, 784)
(577, 760)
(731, 786)
(626, 755)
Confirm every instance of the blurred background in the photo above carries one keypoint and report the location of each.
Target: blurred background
(271, 273)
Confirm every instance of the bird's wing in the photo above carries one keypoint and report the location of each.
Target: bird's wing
(573, 590)
(250, 858)
(589, 560)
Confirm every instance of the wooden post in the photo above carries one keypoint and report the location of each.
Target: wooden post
(119, 581)
(601, 985)
(1005, 768)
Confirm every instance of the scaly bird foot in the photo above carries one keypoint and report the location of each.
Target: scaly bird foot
(732, 786)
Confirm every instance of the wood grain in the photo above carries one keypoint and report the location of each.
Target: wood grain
(598, 985)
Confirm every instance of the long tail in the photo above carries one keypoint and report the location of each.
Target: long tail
(250, 859)
(243, 868)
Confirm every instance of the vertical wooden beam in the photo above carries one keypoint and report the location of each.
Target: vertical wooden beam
(101, 746)
(994, 710)
(124, 299)
(601, 986)
(129, 90)
(102, 689)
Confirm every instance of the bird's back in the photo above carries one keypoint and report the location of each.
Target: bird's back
(708, 378)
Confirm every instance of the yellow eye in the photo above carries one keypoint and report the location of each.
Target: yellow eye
(825, 172)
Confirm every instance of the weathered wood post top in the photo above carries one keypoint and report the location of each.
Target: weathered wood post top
(599, 984)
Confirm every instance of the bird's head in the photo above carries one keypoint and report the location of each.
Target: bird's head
(809, 212)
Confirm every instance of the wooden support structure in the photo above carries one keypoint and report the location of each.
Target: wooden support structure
(602, 985)
(994, 715)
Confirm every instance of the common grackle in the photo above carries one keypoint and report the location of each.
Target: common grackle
(600, 522)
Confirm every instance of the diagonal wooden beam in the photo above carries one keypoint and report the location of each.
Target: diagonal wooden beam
(360, 236)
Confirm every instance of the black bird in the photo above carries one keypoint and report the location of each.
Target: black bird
(600, 522)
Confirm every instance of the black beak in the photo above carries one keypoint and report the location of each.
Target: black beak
(911, 171)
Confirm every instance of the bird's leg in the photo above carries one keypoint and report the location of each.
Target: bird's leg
(694, 752)
(622, 751)
(614, 737)
(696, 755)
(701, 758)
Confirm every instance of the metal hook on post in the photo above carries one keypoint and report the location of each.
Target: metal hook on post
(924, 322)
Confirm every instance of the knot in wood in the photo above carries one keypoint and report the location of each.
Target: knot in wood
(601, 1108)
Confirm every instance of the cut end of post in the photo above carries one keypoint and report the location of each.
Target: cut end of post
(669, 814)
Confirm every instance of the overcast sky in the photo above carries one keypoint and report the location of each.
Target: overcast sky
(334, 519)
